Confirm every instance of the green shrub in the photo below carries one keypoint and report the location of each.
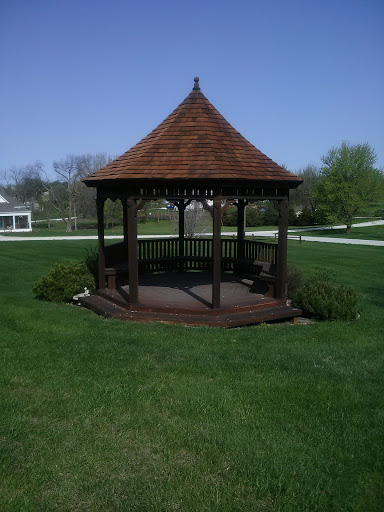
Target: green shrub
(322, 298)
(292, 217)
(305, 217)
(294, 280)
(63, 282)
(230, 217)
(270, 215)
(253, 217)
(91, 261)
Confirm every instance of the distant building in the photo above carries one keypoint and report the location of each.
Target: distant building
(15, 217)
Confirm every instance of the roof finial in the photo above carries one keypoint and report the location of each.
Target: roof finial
(196, 86)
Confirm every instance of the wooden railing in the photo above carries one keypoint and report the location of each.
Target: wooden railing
(260, 251)
(164, 254)
(156, 255)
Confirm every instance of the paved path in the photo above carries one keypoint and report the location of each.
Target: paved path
(271, 234)
(359, 224)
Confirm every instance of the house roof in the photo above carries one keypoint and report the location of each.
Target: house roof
(194, 142)
(10, 205)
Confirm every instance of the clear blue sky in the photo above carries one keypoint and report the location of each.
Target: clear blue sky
(295, 78)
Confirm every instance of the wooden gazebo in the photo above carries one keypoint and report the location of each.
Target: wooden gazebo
(194, 154)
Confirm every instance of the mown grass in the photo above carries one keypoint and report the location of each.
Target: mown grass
(375, 209)
(105, 415)
(169, 227)
(367, 233)
(152, 227)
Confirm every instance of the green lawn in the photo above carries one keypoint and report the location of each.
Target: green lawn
(367, 233)
(374, 209)
(169, 227)
(102, 415)
(152, 227)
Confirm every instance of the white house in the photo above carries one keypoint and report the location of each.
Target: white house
(15, 217)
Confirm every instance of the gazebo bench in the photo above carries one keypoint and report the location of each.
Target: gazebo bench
(262, 273)
(111, 273)
(265, 281)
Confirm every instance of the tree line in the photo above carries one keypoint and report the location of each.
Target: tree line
(346, 182)
(62, 193)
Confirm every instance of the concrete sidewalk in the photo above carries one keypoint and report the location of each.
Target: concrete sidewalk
(379, 222)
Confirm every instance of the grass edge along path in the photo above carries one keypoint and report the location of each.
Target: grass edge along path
(363, 233)
(106, 415)
(164, 228)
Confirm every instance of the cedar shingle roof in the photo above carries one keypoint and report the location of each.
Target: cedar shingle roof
(194, 142)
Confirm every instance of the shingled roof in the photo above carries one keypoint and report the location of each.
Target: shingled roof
(195, 142)
(11, 206)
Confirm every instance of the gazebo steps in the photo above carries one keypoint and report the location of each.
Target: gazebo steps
(102, 306)
(234, 318)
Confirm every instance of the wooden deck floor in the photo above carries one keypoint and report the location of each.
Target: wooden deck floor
(192, 292)
(175, 297)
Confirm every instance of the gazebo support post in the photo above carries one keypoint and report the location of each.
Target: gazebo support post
(216, 281)
(181, 207)
(100, 236)
(133, 274)
(281, 281)
(125, 220)
(241, 204)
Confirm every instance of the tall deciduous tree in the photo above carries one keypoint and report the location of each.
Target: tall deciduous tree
(305, 195)
(348, 181)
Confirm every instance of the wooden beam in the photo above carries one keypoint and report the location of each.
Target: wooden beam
(281, 281)
(228, 203)
(207, 207)
(125, 220)
(133, 273)
(216, 278)
(101, 245)
(140, 204)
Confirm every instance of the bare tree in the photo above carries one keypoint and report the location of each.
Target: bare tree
(13, 177)
(24, 183)
(65, 193)
(31, 187)
(61, 192)
(85, 196)
(196, 220)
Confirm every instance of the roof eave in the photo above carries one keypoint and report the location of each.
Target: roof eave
(283, 183)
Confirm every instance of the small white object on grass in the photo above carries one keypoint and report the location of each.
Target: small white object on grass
(84, 294)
